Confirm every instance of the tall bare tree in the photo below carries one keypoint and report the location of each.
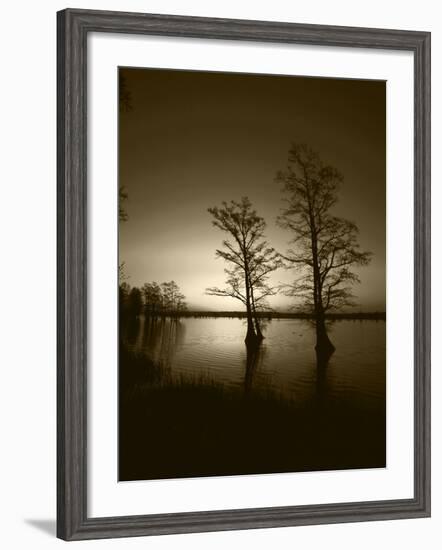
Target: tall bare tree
(325, 247)
(249, 257)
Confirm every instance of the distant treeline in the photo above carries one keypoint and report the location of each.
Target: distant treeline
(152, 299)
(375, 316)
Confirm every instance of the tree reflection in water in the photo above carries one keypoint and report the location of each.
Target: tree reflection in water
(161, 337)
(254, 359)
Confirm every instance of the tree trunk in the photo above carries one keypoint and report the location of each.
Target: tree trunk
(251, 334)
(259, 334)
(324, 347)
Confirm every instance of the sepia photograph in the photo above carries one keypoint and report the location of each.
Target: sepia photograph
(252, 274)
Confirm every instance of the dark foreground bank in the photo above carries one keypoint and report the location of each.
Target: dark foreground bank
(173, 427)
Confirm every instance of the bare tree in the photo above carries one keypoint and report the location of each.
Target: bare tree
(325, 247)
(121, 272)
(173, 299)
(135, 302)
(165, 299)
(250, 260)
(180, 304)
(152, 298)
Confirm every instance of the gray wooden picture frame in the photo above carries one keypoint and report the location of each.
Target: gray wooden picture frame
(74, 25)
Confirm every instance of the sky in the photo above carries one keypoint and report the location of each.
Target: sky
(191, 140)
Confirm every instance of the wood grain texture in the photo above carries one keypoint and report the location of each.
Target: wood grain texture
(72, 29)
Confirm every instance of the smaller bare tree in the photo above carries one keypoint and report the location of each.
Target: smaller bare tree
(250, 260)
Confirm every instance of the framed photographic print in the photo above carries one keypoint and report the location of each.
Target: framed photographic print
(243, 274)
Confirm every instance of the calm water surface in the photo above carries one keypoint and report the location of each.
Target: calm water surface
(285, 363)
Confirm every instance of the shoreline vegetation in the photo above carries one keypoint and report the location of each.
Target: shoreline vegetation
(363, 316)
